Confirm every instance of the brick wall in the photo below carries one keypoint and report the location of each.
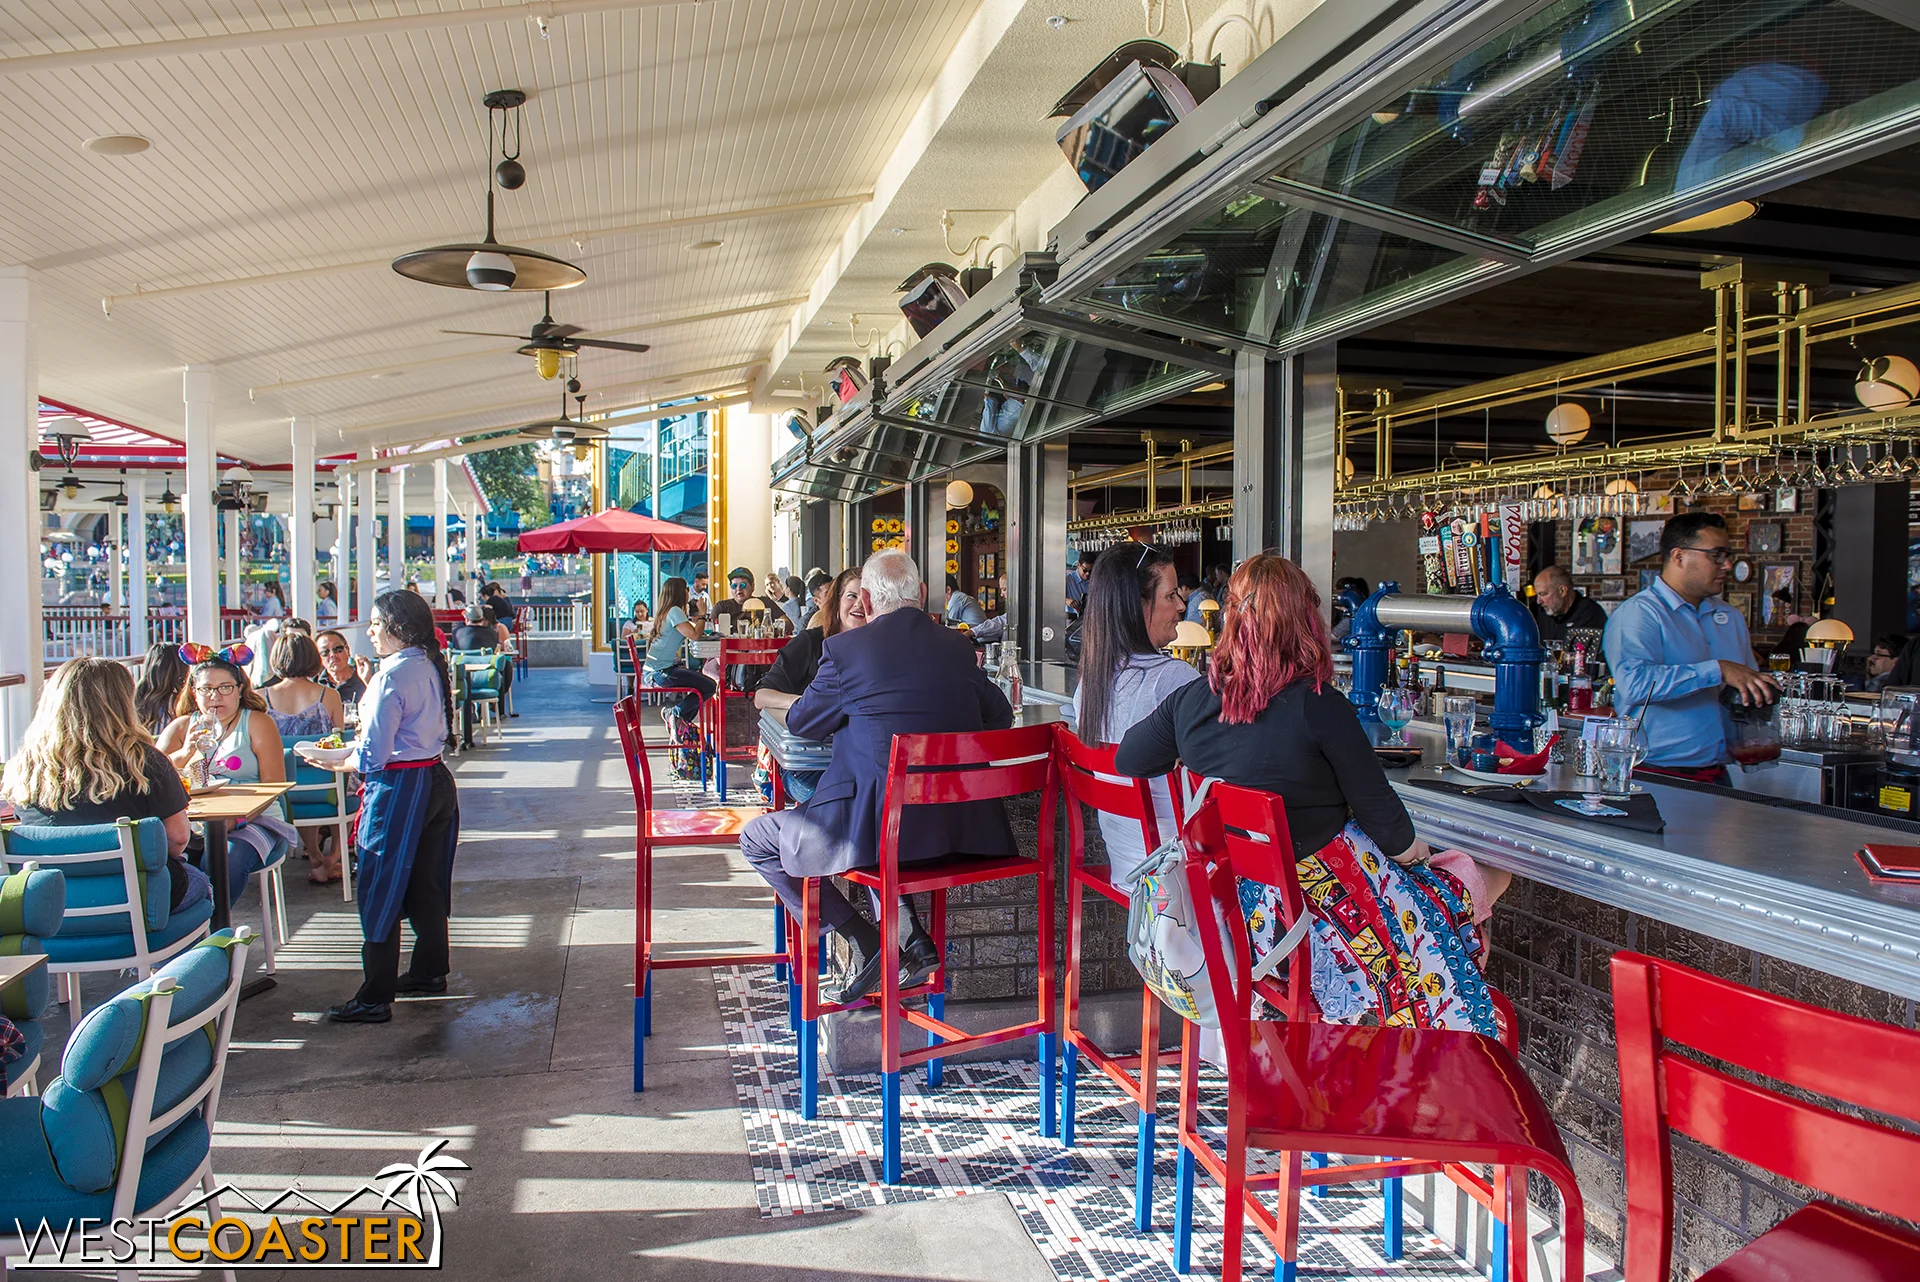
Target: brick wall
(1550, 957)
(1797, 537)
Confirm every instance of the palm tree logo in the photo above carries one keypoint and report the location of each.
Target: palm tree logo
(409, 1180)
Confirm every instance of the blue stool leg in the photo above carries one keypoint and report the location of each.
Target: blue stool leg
(720, 773)
(1069, 1083)
(1183, 1212)
(1049, 1084)
(936, 1007)
(809, 1053)
(890, 1127)
(1393, 1208)
(646, 1008)
(1143, 1172)
(1498, 1272)
(639, 1045)
(1317, 1160)
(779, 939)
(1285, 1270)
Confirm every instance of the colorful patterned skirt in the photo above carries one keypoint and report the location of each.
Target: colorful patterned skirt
(1392, 941)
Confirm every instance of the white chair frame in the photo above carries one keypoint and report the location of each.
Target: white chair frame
(140, 1124)
(145, 957)
(342, 821)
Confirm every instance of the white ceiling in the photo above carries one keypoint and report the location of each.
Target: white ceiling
(305, 153)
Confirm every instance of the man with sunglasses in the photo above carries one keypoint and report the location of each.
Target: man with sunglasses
(1674, 647)
(336, 656)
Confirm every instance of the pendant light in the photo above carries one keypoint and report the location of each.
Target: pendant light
(488, 265)
(169, 501)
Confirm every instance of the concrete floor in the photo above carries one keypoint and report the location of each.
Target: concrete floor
(526, 1065)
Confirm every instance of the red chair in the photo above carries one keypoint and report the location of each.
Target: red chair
(1659, 1008)
(733, 703)
(1418, 1101)
(940, 769)
(1091, 780)
(654, 828)
(642, 689)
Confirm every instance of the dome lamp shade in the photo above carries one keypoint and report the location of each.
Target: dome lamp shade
(1887, 383)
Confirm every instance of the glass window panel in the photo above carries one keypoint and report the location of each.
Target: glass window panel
(991, 394)
(1590, 114)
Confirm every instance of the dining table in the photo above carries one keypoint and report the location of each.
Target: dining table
(217, 810)
(15, 969)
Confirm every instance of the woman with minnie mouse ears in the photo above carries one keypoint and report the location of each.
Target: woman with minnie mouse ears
(223, 730)
(409, 811)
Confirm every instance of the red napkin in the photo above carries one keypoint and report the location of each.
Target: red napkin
(1524, 763)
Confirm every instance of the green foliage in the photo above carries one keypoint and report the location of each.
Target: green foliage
(495, 549)
(511, 480)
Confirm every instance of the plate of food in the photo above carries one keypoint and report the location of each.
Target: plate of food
(213, 784)
(1489, 776)
(329, 753)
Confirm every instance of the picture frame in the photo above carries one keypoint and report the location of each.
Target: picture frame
(1648, 578)
(992, 564)
(1764, 538)
(1753, 503)
(1643, 540)
(1778, 576)
(1786, 499)
(1597, 546)
(1610, 590)
(1742, 601)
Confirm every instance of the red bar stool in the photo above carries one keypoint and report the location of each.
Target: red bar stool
(653, 828)
(715, 716)
(643, 690)
(1091, 780)
(941, 769)
(1659, 1008)
(1254, 823)
(1419, 1101)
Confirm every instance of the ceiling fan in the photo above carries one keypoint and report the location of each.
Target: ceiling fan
(573, 433)
(549, 342)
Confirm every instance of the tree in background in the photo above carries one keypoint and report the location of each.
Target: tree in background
(510, 478)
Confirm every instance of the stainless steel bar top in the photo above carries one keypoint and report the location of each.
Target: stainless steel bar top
(1780, 881)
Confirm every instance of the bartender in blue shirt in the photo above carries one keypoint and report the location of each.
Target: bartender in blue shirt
(409, 811)
(1674, 646)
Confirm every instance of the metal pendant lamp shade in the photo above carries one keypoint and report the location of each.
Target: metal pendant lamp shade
(488, 265)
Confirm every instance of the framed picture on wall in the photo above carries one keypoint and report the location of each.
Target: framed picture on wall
(1647, 578)
(1643, 540)
(992, 566)
(1742, 601)
(1610, 590)
(1753, 503)
(1597, 546)
(1763, 538)
(1786, 499)
(1779, 593)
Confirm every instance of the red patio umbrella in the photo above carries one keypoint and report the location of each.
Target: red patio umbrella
(614, 530)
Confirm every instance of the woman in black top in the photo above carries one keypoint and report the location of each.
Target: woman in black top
(1393, 938)
(799, 659)
(86, 759)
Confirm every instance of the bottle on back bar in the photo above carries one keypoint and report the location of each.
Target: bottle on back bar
(1009, 679)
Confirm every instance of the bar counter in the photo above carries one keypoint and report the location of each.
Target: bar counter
(1779, 880)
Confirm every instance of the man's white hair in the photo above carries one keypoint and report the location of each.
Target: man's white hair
(891, 581)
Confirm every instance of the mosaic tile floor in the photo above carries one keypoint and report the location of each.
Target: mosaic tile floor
(980, 1133)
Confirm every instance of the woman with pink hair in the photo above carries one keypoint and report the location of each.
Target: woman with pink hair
(1393, 937)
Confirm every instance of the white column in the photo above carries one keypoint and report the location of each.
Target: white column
(196, 508)
(396, 529)
(440, 575)
(471, 518)
(300, 547)
(233, 570)
(369, 561)
(22, 644)
(137, 564)
(342, 542)
(117, 539)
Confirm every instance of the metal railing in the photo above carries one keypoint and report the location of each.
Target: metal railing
(559, 621)
(70, 631)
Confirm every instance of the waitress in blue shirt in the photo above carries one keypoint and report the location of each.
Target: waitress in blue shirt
(409, 811)
(1674, 646)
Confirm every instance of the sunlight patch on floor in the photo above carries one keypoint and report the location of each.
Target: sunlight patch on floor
(331, 941)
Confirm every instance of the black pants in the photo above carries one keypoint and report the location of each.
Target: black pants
(427, 904)
(688, 677)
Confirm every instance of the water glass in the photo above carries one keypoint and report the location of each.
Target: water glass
(1620, 745)
(1459, 712)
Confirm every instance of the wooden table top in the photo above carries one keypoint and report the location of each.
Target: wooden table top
(236, 802)
(14, 968)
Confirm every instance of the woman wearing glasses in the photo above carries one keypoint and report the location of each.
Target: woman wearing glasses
(1674, 647)
(410, 811)
(223, 722)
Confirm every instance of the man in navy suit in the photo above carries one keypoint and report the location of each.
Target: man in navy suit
(901, 673)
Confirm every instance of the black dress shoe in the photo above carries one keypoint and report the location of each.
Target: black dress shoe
(359, 1012)
(414, 985)
(865, 980)
(918, 960)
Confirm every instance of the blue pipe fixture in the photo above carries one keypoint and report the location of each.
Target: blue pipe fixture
(1510, 642)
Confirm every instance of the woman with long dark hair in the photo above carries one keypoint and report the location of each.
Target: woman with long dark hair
(162, 677)
(1131, 610)
(409, 810)
(1392, 937)
(666, 639)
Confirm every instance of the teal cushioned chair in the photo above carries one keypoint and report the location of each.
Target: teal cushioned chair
(32, 901)
(481, 690)
(126, 1128)
(323, 799)
(107, 867)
